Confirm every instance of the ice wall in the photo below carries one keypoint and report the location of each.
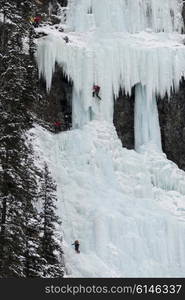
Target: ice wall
(125, 16)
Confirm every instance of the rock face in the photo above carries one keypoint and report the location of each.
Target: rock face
(172, 122)
(58, 102)
(124, 119)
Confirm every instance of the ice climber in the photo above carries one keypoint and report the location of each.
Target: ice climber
(37, 21)
(96, 90)
(66, 39)
(57, 126)
(77, 245)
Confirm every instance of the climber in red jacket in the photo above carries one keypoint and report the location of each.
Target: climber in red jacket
(77, 245)
(37, 21)
(96, 90)
(57, 126)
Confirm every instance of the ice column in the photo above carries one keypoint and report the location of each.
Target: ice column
(80, 115)
(147, 129)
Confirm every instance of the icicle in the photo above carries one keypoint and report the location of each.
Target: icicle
(157, 62)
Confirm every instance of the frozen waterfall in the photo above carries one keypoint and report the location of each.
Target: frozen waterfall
(127, 206)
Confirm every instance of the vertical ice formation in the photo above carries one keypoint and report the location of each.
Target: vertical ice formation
(117, 202)
(147, 129)
(126, 15)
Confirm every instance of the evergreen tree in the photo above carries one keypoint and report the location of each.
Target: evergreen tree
(17, 184)
(34, 263)
(24, 251)
(51, 248)
(20, 237)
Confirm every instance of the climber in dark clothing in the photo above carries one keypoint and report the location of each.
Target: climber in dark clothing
(66, 39)
(77, 245)
(96, 90)
(57, 126)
